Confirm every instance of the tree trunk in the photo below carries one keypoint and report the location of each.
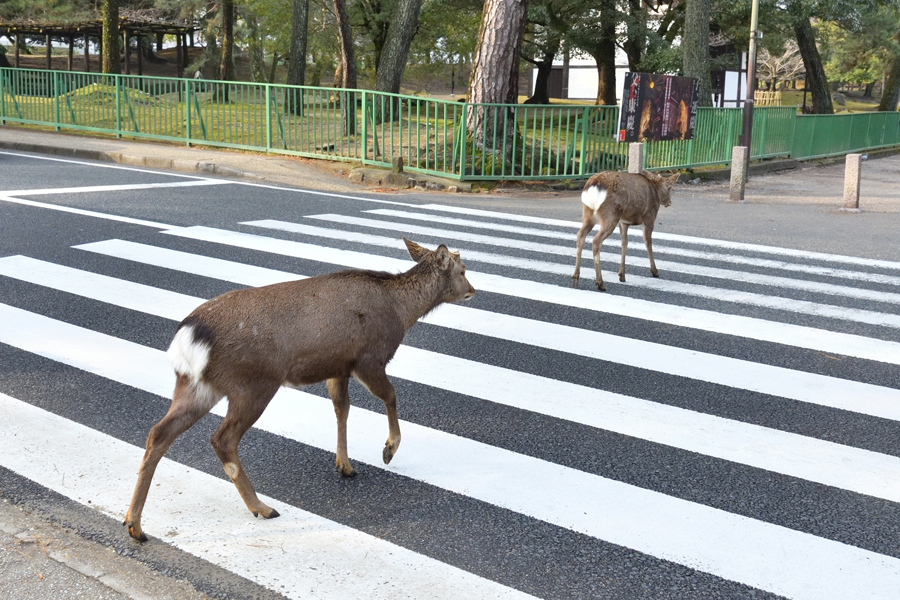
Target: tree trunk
(544, 66)
(635, 32)
(890, 96)
(226, 65)
(695, 44)
(255, 51)
(816, 82)
(604, 53)
(296, 74)
(512, 90)
(109, 61)
(347, 67)
(392, 61)
(496, 54)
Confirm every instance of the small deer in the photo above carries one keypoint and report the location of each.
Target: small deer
(625, 199)
(247, 343)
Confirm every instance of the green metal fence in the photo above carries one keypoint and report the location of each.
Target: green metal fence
(450, 139)
(817, 136)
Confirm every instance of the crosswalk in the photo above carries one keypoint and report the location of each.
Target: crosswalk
(728, 430)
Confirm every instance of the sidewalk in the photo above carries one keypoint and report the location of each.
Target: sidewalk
(798, 208)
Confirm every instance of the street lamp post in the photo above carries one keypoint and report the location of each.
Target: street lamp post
(751, 78)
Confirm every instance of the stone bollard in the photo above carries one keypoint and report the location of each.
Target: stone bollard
(397, 164)
(739, 157)
(851, 183)
(635, 157)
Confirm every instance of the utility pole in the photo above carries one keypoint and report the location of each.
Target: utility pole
(751, 77)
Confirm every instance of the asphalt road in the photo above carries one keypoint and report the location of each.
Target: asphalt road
(726, 431)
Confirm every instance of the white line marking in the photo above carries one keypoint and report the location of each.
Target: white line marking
(756, 553)
(713, 293)
(90, 189)
(202, 515)
(567, 251)
(86, 213)
(791, 454)
(746, 327)
(797, 385)
(687, 239)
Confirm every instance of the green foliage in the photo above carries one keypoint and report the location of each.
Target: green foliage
(860, 56)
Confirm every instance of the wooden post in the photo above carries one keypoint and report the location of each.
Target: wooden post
(739, 156)
(49, 52)
(851, 183)
(87, 57)
(71, 50)
(18, 42)
(159, 41)
(635, 157)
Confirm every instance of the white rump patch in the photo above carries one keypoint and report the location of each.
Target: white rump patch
(593, 197)
(187, 356)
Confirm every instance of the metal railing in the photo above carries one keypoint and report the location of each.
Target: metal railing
(450, 139)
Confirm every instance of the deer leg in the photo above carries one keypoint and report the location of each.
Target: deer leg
(606, 228)
(377, 383)
(244, 408)
(648, 233)
(337, 389)
(586, 225)
(623, 233)
(189, 403)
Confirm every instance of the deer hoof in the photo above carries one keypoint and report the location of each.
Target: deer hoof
(654, 273)
(347, 471)
(575, 282)
(388, 453)
(601, 287)
(135, 532)
(622, 277)
(269, 513)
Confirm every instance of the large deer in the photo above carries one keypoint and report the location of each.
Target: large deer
(247, 343)
(622, 199)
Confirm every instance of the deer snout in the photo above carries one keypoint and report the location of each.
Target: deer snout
(469, 293)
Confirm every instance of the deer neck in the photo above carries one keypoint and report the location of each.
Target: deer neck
(416, 293)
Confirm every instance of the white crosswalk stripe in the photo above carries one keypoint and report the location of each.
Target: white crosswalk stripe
(771, 557)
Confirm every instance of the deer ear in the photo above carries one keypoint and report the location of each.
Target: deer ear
(443, 256)
(416, 251)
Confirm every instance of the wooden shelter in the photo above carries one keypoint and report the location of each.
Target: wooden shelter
(129, 28)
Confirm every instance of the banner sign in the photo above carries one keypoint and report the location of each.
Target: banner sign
(658, 107)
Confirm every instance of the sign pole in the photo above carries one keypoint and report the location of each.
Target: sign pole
(747, 134)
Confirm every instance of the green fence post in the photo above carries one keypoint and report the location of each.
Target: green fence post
(118, 106)
(582, 147)
(187, 111)
(55, 100)
(2, 96)
(268, 89)
(365, 128)
(463, 130)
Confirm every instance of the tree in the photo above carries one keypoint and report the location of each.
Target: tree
(392, 60)
(496, 55)
(695, 47)
(816, 82)
(779, 67)
(297, 56)
(347, 68)
(109, 61)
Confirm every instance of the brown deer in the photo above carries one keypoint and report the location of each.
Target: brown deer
(621, 199)
(247, 343)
